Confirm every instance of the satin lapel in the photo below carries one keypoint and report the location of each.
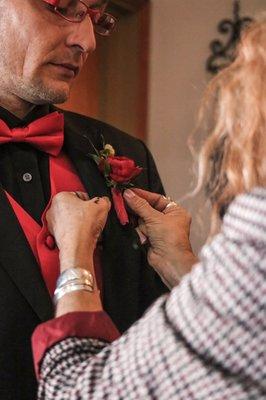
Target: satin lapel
(79, 144)
(19, 262)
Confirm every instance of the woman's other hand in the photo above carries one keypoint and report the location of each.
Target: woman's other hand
(167, 229)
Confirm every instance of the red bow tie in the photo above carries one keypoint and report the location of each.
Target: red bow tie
(46, 133)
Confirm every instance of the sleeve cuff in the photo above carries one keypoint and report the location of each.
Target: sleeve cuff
(94, 325)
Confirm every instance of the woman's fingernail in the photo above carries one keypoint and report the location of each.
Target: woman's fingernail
(143, 239)
(129, 194)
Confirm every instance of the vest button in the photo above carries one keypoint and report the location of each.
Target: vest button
(27, 177)
(50, 242)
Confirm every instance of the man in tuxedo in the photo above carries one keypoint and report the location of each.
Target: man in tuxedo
(44, 44)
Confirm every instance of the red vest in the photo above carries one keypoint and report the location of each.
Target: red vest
(62, 178)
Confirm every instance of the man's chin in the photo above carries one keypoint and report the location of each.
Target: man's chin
(49, 95)
(42, 91)
(56, 94)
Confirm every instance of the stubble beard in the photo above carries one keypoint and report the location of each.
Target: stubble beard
(32, 91)
(38, 93)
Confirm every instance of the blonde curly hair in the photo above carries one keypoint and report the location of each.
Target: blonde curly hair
(232, 159)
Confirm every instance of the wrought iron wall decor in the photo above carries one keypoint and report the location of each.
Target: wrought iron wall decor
(223, 53)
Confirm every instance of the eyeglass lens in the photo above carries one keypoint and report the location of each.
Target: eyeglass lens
(73, 10)
(76, 11)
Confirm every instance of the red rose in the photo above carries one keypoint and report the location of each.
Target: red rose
(123, 169)
(118, 171)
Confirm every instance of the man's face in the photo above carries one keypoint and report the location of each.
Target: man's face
(41, 53)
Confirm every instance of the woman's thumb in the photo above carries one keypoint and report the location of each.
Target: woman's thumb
(139, 205)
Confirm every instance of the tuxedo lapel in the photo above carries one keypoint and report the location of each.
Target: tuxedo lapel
(79, 144)
(19, 262)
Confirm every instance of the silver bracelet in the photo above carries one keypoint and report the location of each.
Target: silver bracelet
(81, 281)
(60, 292)
(72, 274)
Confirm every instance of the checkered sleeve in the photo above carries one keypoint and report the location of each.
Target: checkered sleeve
(206, 340)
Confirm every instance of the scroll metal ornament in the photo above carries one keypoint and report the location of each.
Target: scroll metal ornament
(223, 53)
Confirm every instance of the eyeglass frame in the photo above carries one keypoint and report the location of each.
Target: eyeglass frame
(89, 12)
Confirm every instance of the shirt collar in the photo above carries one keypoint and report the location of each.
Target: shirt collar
(13, 121)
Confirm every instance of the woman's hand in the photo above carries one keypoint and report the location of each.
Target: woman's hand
(76, 223)
(167, 229)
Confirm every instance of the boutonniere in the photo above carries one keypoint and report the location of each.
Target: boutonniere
(119, 172)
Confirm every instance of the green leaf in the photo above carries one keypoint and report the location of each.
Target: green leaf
(111, 183)
(106, 153)
(103, 140)
(107, 169)
(94, 148)
(95, 158)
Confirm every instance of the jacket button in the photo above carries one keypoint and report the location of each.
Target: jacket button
(27, 177)
(50, 242)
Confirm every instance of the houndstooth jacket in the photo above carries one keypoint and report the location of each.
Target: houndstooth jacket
(206, 340)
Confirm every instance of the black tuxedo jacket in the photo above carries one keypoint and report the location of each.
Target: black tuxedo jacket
(130, 285)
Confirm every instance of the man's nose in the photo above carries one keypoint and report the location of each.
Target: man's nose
(82, 36)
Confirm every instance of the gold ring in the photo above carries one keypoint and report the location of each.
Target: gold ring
(170, 204)
(168, 198)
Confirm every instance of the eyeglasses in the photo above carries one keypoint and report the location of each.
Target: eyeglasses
(77, 10)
